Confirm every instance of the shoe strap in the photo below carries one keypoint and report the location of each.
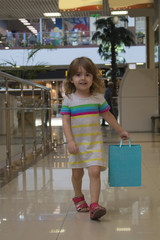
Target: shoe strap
(93, 205)
(78, 199)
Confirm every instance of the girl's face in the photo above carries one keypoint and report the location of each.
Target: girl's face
(82, 81)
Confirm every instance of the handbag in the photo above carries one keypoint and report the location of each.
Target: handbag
(124, 165)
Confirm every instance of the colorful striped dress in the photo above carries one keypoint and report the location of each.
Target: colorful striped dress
(86, 130)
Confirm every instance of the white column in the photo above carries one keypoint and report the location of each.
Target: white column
(40, 30)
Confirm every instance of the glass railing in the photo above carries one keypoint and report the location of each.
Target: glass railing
(25, 125)
(29, 40)
(55, 39)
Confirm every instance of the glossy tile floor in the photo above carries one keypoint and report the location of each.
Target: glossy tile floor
(37, 203)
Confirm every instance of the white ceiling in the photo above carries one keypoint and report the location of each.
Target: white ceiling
(34, 9)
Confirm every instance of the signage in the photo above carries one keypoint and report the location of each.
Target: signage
(130, 4)
(80, 5)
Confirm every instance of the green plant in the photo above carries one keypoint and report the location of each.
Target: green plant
(38, 47)
(112, 40)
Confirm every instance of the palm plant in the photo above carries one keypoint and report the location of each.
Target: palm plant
(112, 41)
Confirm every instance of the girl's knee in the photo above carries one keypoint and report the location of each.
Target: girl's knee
(77, 173)
(94, 171)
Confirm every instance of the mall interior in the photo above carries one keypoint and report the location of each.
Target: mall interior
(38, 41)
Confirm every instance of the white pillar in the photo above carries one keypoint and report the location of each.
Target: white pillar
(40, 30)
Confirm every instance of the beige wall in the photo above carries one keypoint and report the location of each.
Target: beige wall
(138, 99)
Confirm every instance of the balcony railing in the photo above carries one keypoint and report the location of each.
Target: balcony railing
(23, 104)
(57, 39)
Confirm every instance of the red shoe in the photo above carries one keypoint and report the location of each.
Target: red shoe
(80, 203)
(96, 211)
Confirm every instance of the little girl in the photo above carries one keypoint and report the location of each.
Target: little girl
(81, 107)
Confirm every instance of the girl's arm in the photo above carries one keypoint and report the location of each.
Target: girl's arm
(108, 116)
(72, 146)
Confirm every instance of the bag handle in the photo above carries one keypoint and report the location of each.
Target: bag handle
(121, 142)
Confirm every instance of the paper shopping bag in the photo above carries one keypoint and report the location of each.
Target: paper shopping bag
(124, 165)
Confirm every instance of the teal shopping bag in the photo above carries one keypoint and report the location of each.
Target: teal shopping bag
(124, 165)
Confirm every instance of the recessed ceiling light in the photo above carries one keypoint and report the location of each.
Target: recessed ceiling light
(23, 20)
(26, 23)
(119, 12)
(30, 27)
(52, 14)
(139, 63)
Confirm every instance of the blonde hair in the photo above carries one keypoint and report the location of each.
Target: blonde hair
(90, 67)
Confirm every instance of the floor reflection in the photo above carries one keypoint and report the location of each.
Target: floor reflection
(37, 203)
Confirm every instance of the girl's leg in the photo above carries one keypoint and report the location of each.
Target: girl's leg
(96, 211)
(79, 200)
(77, 175)
(95, 183)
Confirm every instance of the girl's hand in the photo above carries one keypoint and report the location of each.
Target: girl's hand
(72, 147)
(124, 135)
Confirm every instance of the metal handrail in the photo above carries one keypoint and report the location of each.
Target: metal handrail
(21, 80)
(9, 109)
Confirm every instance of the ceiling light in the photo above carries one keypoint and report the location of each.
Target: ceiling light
(31, 27)
(23, 20)
(26, 23)
(139, 63)
(52, 14)
(119, 12)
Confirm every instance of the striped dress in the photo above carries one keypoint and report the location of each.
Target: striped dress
(86, 130)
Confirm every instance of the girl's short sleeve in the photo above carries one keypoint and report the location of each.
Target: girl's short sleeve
(103, 104)
(65, 107)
